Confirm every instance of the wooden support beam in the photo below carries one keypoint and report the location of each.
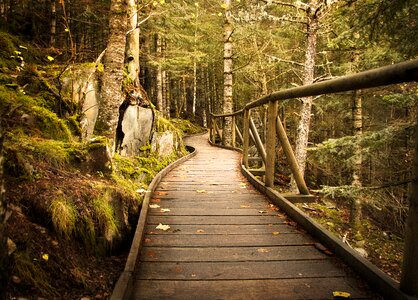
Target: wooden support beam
(234, 135)
(255, 159)
(409, 278)
(257, 172)
(246, 137)
(271, 143)
(217, 129)
(257, 141)
(291, 159)
(239, 134)
(212, 130)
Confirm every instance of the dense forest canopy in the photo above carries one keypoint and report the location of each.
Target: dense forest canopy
(198, 57)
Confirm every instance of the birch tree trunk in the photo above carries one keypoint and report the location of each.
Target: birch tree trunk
(132, 43)
(227, 104)
(111, 93)
(308, 78)
(53, 24)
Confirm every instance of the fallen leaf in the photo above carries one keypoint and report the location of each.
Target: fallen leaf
(245, 206)
(177, 270)
(156, 200)
(263, 250)
(45, 257)
(163, 227)
(154, 206)
(200, 231)
(147, 240)
(262, 211)
(161, 193)
(164, 209)
(340, 294)
(276, 233)
(151, 253)
(201, 191)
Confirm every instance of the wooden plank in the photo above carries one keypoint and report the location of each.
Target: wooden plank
(262, 219)
(304, 288)
(225, 240)
(224, 229)
(196, 254)
(213, 212)
(220, 203)
(238, 270)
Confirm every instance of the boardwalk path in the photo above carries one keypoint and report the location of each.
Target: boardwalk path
(227, 242)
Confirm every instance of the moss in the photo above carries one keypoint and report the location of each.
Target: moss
(9, 44)
(52, 126)
(187, 127)
(105, 215)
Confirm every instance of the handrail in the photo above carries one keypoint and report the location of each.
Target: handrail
(393, 74)
(396, 73)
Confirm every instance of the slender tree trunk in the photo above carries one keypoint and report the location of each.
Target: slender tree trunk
(3, 227)
(53, 24)
(111, 93)
(228, 101)
(308, 78)
(355, 213)
(159, 81)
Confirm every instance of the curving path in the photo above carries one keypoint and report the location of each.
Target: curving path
(226, 241)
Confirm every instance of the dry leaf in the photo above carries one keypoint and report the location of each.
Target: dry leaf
(245, 206)
(201, 191)
(276, 233)
(263, 250)
(341, 294)
(156, 200)
(154, 206)
(163, 227)
(262, 211)
(164, 209)
(200, 231)
(161, 193)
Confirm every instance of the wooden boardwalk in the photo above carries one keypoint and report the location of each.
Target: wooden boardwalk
(226, 241)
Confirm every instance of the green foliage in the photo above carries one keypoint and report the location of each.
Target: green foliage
(64, 216)
(13, 51)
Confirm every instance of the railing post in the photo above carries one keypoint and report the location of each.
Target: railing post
(409, 278)
(290, 156)
(212, 129)
(246, 137)
(234, 135)
(257, 141)
(271, 143)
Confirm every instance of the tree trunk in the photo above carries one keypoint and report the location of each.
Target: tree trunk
(132, 44)
(53, 24)
(355, 213)
(308, 78)
(3, 228)
(111, 93)
(159, 81)
(409, 280)
(228, 101)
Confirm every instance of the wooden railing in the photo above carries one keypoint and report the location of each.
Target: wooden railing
(393, 74)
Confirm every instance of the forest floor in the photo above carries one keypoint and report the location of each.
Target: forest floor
(384, 249)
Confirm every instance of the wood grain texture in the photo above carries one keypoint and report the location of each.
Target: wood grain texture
(226, 241)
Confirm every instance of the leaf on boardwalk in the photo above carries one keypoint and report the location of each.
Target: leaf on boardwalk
(341, 295)
(154, 206)
(201, 191)
(276, 233)
(151, 253)
(156, 200)
(147, 240)
(214, 183)
(163, 227)
(161, 193)
(263, 250)
(262, 212)
(200, 231)
(245, 206)
(164, 209)
(323, 249)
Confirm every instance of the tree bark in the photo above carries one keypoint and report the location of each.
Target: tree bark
(132, 43)
(308, 78)
(3, 227)
(159, 81)
(53, 24)
(409, 280)
(228, 101)
(111, 93)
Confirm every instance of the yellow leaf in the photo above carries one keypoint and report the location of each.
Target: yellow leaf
(341, 294)
(276, 233)
(155, 3)
(201, 191)
(238, 1)
(45, 257)
(263, 250)
(154, 206)
(67, 30)
(196, 4)
(245, 206)
(162, 1)
(163, 227)
(262, 211)
(200, 231)
(223, 5)
(164, 209)
(220, 14)
(50, 58)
